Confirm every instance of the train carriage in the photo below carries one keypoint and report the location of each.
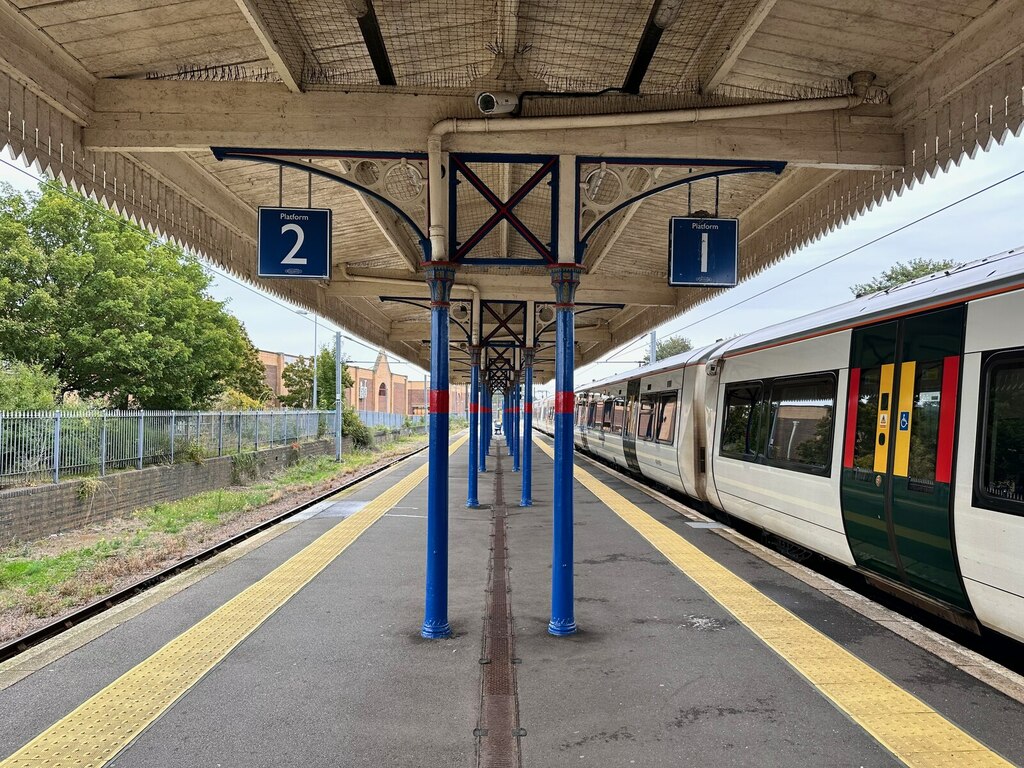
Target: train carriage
(886, 434)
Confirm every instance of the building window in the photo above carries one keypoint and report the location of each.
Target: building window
(800, 419)
(1000, 472)
(382, 399)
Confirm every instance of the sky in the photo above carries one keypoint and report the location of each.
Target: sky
(988, 223)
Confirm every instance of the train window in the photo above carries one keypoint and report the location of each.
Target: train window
(606, 415)
(618, 415)
(1000, 474)
(741, 432)
(867, 421)
(592, 416)
(667, 418)
(800, 423)
(645, 426)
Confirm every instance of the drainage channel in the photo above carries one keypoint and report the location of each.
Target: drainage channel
(498, 732)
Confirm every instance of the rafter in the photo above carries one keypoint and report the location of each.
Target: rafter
(732, 53)
(141, 115)
(280, 37)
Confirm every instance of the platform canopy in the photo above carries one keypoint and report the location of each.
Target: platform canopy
(187, 116)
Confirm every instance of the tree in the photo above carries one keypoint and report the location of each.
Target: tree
(298, 380)
(25, 388)
(901, 273)
(250, 378)
(110, 311)
(667, 347)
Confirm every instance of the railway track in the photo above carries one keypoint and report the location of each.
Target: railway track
(12, 648)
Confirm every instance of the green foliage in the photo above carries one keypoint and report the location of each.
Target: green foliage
(89, 487)
(25, 387)
(352, 427)
(667, 347)
(298, 380)
(236, 400)
(250, 378)
(244, 466)
(210, 507)
(902, 272)
(108, 311)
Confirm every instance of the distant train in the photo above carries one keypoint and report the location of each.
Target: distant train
(886, 434)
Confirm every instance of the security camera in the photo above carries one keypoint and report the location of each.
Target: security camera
(497, 103)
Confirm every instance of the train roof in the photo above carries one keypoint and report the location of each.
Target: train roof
(1002, 271)
(993, 274)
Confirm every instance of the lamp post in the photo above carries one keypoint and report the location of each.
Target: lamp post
(315, 355)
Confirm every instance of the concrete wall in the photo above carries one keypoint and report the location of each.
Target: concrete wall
(33, 513)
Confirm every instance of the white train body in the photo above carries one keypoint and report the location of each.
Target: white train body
(886, 434)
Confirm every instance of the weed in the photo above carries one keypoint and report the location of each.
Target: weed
(89, 487)
(244, 466)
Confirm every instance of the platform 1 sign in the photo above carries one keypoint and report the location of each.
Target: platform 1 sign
(294, 242)
(702, 251)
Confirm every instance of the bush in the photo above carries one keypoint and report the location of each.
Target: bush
(25, 388)
(356, 430)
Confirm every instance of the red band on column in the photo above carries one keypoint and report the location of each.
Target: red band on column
(851, 417)
(565, 402)
(527, 407)
(439, 401)
(474, 408)
(947, 419)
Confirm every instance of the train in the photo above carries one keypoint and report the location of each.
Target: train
(886, 434)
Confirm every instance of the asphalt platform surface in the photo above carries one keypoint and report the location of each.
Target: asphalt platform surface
(659, 674)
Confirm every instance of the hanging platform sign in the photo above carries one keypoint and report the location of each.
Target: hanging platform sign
(702, 251)
(294, 242)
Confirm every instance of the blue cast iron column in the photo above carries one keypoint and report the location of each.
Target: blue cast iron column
(505, 418)
(474, 429)
(527, 498)
(440, 277)
(515, 424)
(565, 278)
(485, 426)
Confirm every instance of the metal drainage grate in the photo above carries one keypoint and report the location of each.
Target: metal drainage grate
(498, 731)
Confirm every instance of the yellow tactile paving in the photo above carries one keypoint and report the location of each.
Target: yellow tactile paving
(902, 723)
(101, 727)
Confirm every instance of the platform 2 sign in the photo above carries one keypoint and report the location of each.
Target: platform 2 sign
(294, 242)
(702, 251)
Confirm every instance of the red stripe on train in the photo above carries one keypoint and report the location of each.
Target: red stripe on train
(439, 401)
(565, 402)
(947, 419)
(851, 417)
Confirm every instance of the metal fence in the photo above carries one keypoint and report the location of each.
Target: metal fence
(373, 419)
(36, 446)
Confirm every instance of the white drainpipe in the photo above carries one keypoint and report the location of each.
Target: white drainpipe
(450, 126)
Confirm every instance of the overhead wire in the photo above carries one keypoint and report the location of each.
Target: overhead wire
(643, 339)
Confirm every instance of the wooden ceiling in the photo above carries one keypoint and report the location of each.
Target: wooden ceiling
(124, 98)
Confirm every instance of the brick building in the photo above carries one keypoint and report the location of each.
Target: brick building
(377, 389)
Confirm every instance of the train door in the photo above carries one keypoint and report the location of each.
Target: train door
(629, 426)
(898, 452)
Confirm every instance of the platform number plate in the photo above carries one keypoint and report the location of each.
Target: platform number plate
(294, 242)
(702, 251)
